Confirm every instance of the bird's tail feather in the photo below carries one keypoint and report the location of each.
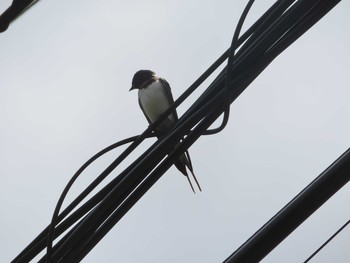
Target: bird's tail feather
(189, 162)
(183, 162)
(195, 179)
(189, 181)
(189, 165)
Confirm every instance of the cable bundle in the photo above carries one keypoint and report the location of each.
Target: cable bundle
(279, 27)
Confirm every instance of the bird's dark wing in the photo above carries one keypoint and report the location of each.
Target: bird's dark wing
(169, 96)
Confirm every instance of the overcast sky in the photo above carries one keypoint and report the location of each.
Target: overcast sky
(66, 69)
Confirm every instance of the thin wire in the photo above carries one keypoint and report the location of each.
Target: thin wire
(328, 240)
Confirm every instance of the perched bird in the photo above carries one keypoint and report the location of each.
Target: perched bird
(155, 97)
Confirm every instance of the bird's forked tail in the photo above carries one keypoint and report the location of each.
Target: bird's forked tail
(181, 164)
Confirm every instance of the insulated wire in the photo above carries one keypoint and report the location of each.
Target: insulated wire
(252, 35)
(327, 241)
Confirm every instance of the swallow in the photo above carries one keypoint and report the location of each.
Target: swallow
(155, 97)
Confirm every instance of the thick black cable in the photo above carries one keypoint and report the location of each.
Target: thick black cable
(33, 2)
(327, 241)
(15, 10)
(321, 9)
(311, 198)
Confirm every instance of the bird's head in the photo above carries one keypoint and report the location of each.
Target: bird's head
(141, 77)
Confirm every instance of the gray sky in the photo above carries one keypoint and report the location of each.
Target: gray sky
(66, 68)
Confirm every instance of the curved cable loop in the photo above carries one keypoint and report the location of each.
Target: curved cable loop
(54, 220)
(234, 46)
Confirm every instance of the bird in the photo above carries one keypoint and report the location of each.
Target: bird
(155, 97)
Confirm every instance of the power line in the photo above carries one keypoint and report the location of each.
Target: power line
(278, 28)
(327, 241)
(295, 212)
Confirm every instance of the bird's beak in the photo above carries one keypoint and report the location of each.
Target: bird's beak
(132, 87)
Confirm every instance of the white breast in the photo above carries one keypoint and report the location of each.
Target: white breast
(154, 100)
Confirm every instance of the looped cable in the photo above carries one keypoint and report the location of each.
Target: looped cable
(55, 216)
(234, 46)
